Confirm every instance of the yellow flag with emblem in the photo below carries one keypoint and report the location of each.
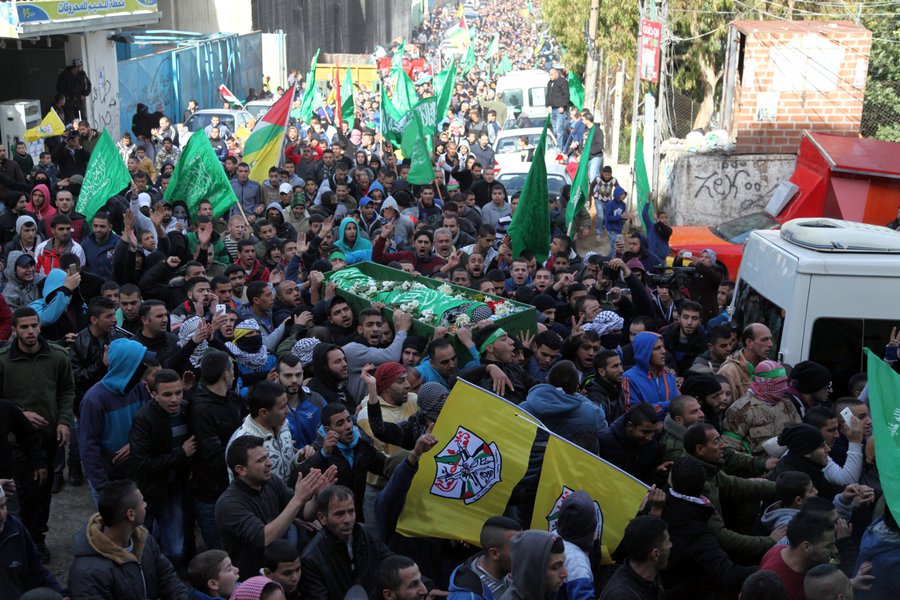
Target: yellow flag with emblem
(482, 452)
(50, 125)
(567, 468)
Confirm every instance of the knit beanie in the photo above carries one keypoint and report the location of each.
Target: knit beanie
(250, 589)
(416, 342)
(810, 377)
(578, 520)
(700, 385)
(431, 399)
(543, 302)
(20, 222)
(801, 438)
(386, 374)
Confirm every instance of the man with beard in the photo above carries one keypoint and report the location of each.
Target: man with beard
(337, 316)
(440, 364)
(497, 349)
(304, 405)
(424, 260)
(330, 375)
(685, 339)
(606, 387)
(365, 348)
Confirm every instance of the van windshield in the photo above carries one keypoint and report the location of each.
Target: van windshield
(513, 97)
(752, 307)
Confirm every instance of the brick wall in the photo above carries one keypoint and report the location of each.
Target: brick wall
(797, 76)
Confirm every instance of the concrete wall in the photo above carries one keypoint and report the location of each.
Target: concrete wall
(698, 189)
(99, 57)
(206, 16)
(336, 26)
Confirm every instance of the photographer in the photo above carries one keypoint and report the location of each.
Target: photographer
(703, 285)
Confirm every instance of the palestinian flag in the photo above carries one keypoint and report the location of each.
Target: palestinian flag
(263, 148)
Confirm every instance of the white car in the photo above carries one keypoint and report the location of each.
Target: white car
(513, 178)
(231, 118)
(516, 146)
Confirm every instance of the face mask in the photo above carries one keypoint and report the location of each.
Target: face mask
(249, 344)
(610, 341)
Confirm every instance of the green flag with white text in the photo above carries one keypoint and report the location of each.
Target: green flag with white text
(493, 47)
(416, 149)
(199, 176)
(444, 82)
(884, 405)
(505, 65)
(581, 185)
(106, 176)
(530, 227)
(390, 119)
(347, 107)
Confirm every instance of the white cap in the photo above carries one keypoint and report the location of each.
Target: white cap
(285, 188)
(144, 199)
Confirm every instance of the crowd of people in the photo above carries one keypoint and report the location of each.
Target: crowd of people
(243, 432)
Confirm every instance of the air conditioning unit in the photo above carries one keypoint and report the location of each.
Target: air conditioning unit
(17, 116)
(834, 235)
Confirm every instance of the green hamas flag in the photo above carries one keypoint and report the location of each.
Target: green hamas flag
(106, 176)
(469, 62)
(884, 402)
(530, 227)
(444, 82)
(576, 90)
(405, 96)
(493, 47)
(415, 147)
(347, 106)
(505, 65)
(199, 176)
(309, 104)
(581, 185)
(642, 184)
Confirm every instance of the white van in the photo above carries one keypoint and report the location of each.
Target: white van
(525, 90)
(826, 288)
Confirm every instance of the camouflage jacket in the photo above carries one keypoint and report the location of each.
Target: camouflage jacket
(749, 422)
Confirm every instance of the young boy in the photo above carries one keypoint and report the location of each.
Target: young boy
(23, 159)
(602, 191)
(212, 575)
(282, 565)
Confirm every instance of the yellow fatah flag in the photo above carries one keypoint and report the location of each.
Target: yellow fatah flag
(567, 468)
(482, 453)
(51, 125)
(459, 11)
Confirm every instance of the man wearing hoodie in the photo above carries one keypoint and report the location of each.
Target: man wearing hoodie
(37, 377)
(54, 307)
(22, 280)
(697, 564)
(330, 374)
(365, 350)
(615, 214)
(16, 203)
(648, 381)
(115, 555)
(538, 566)
(107, 411)
(297, 215)
(401, 226)
(577, 525)
(565, 412)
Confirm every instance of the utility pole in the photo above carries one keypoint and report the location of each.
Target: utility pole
(661, 93)
(635, 99)
(591, 67)
(617, 112)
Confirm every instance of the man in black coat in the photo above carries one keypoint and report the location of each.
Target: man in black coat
(330, 567)
(557, 98)
(631, 442)
(697, 563)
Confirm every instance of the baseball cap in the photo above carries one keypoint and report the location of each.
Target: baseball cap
(285, 188)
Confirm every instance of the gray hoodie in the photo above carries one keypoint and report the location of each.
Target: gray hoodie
(403, 226)
(776, 515)
(530, 551)
(15, 292)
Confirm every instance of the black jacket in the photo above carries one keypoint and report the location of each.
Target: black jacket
(213, 419)
(324, 383)
(158, 467)
(557, 93)
(14, 424)
(626, 584)
(21, 568)
(366, 459)
(616, 447)
(86, 354)
(697, 564)
(329, 571)
(683, 352)
(521, 380)
(165, 346)
(70, 163)
(795, 462)
(155, 284)
(609, 398)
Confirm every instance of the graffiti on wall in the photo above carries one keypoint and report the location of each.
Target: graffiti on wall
(105, 101)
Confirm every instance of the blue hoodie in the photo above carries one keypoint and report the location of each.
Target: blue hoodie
(881, 546)
(564, 414)
(52, 305)
(360, 243)
(639, 385)
(108, 409)
(613, 212)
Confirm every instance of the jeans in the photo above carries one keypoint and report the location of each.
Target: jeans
(558, 121)
(594, 167)
(205, 513)
(34, 498)
(74, 460)
(165, 520)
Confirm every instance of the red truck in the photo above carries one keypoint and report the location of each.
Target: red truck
(836, 176)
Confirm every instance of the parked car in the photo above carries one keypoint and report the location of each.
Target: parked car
(513, 178)
(231, 118)
(258, 108)
(508, 151)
